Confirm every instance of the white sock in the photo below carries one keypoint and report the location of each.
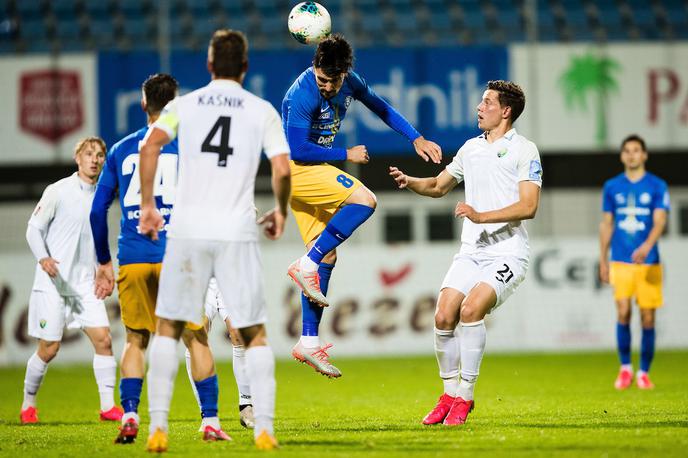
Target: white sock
(211, 421)
(35, 371)
(447, 353)
(310, 341)
(105, 370)
(162, 370)
(187, 357)
(239, 369)
(129, 415)
(472, 349)
(627, 367)
(308, 264)
(260, 368)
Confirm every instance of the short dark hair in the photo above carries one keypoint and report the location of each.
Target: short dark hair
(334, 55)
(634, 138)
(510, 95)
(228, 50)
(159, 89)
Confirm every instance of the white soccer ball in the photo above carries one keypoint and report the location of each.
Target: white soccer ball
(309, 22)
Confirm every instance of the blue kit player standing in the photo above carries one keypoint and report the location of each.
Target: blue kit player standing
(140, 263)
(635, 205)
(329, 204)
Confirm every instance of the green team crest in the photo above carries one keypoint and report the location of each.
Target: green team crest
(502, 152)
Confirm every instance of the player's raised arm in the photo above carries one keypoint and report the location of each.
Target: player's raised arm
(432, 186)
(426, 149)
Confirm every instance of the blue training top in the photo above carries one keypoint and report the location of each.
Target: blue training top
(121, 172)
(311, 121)
(632, 204)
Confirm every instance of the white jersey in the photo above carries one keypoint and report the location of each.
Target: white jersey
(222, 130)
(62, 215)
(492, 172)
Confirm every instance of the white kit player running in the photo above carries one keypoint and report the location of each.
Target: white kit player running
(502, 173)
(222, 129)
(63, 292)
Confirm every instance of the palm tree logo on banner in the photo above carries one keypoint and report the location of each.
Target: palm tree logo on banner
(590, 76)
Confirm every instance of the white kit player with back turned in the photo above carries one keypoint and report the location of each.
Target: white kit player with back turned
(502, 173)
(221, 129)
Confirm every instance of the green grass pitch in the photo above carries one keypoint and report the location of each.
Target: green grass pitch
(526, 405)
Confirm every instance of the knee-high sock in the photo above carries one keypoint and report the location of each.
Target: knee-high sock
(647, 349)
(105, 370)
(35, 371)
(340, 228)
(187, 359)
(239, 369)
(472, 349)
(260, 367)
(162, 370)
(311, 313)
(447, 353)
(623, 343)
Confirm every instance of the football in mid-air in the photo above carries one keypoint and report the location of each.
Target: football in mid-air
(309, 22)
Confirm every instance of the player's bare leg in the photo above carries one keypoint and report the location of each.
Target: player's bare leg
(623, 342)
(246, 414)
(204, 382)
(356, 209)
(446, 351)
(260, 368)
(162, 370)
(36, 368)
(132, 369)
(647, 348)
(474, 307)
(105, 371)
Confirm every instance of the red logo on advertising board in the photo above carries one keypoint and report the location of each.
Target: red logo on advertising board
(50, 103)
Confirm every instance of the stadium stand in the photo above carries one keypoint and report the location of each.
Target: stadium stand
(77, 25)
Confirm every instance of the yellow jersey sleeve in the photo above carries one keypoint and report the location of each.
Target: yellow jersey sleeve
(169, 119)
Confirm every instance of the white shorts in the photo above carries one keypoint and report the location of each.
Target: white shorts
(503, 274)
(214, 305)
(49, 312)
(187, 268)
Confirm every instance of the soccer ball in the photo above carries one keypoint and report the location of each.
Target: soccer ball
(309, 22)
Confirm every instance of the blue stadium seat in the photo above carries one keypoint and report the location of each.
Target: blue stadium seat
(201, 8)
(138, 30)
(29, 9)
(406, 23)
(273, 26)
(232, 8)
(102, 31)
(268, 7)
(64, 9)
(133, 8)
(473, 18)
(67, 30)
(31, 29)
(440, 21)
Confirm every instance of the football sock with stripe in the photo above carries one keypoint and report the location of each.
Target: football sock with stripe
(260, 368)
(623, 343)
(472, 344)
(340, 228)
(162, 370)
(35, 371)
(447, 353)
(105, 371)
(311, 313)
(239, 369)
(647, 348)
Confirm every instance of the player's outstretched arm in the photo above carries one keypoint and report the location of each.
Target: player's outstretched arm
(150, 220)
(273, 221)
(524, 208)
(432, 186)
(428, 150)
(606, 230)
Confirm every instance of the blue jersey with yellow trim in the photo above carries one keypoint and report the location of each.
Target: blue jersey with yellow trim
(632, 204)
(120, 172)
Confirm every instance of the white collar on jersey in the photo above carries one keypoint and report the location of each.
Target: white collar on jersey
(509, 135)
(223, 82)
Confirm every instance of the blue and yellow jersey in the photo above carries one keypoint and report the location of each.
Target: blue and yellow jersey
(120, 173)
(632, 204)
(311, 121)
